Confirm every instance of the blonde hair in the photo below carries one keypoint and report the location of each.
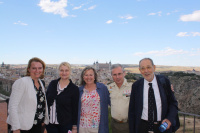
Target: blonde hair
(65, 64)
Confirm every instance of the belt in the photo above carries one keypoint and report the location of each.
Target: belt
(155, 122)
(119, 121)
(145, 124)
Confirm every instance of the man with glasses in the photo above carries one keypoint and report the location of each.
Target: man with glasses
(152, 101)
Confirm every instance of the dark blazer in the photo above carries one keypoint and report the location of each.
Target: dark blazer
(66, 102)
(169, 104)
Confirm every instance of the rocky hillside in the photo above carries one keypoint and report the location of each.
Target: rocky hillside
(187, 92)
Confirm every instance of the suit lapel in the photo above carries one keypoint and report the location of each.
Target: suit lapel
(140, 97)
(162, 96)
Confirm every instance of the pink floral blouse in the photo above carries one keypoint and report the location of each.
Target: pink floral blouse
(90, 109)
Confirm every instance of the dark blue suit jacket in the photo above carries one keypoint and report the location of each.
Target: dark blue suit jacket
(169, 103)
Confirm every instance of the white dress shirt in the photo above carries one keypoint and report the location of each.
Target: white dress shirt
(157, 99)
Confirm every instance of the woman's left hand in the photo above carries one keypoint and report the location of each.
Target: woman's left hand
(43, 127)
(74, 129)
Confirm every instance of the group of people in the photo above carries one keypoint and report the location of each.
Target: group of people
(66, 108)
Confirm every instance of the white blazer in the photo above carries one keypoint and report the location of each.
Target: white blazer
(23, 104)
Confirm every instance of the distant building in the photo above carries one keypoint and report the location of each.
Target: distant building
(49, 71)
(6, 84)
(5, 66)
(102, 66)
(2, 65)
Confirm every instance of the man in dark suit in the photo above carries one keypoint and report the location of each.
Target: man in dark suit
(147, 112)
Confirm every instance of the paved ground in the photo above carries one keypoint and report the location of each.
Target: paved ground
(3, 116)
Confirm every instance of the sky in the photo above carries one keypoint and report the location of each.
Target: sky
(86, 31)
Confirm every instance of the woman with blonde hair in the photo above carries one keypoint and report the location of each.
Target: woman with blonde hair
(62, 99)
(27, 109)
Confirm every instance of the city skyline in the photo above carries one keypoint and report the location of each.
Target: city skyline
(82, 32)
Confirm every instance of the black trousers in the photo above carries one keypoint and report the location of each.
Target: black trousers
(35, 129)
(143, 127)
(57, 128)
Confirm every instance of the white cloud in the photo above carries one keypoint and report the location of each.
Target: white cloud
(155, 13)
(166, 52)
(127, 17)
(109, 21)
(195, 52)
(195, 33)
(57, 7)
(20, 23)
(172, 12)
(76, 8)
(151, 14)
(92, 7)
(159, 13)
(183, 34)
(195, 16)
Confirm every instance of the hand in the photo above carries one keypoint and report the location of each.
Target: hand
(74, 129)
(43, 124)
(172, 88)
(43, 127)
(16, 131)
(168, 122)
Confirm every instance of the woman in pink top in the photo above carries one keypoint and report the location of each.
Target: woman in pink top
(93, 104)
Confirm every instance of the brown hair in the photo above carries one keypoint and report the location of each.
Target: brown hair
(82, 82)
(35, 59)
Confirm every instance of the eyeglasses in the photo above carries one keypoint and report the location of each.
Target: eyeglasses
(146, 68)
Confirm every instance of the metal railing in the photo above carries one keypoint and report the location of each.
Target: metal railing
(180, 113)
(188, 114)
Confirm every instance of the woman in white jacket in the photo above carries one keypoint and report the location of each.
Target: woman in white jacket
(27, 109)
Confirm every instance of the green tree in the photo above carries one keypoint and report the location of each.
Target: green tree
(130, 76)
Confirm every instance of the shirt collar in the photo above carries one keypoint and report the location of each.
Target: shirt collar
(153, 81)
(124, 83)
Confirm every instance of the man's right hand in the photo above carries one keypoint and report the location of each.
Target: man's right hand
(16, 131)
